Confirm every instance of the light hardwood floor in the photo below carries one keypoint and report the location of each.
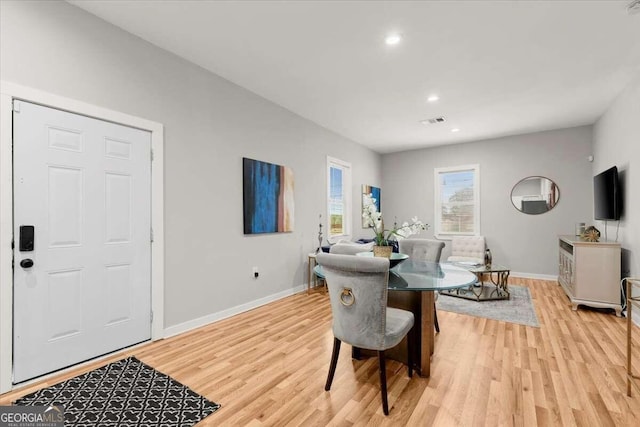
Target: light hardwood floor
(268, 367)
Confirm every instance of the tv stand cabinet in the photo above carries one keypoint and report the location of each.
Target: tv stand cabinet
(589, 273)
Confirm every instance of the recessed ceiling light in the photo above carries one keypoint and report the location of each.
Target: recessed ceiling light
(433, 98)
(455, 130)
(392, 39)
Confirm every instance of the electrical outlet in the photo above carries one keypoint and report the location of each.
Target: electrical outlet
(255, 272)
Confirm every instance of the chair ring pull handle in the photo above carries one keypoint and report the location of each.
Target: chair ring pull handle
(346, 297)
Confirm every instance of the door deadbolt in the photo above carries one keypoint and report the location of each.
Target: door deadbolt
(26, 238)
(26, 263)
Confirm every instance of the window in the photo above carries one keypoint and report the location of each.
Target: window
(457, 201)
(338, 198)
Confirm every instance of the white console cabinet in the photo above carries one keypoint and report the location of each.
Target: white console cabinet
(589, 272)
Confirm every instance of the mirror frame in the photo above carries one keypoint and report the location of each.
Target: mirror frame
(554, 187)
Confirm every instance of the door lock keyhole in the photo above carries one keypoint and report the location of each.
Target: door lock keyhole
(26, 263)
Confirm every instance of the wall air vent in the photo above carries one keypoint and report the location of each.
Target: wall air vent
(433, 121)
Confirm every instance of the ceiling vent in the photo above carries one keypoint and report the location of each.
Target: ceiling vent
(633, 8)
(433, 121)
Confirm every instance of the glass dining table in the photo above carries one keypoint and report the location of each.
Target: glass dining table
(411, 287)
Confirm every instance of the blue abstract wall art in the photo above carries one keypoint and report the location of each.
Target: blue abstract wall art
(268, 197)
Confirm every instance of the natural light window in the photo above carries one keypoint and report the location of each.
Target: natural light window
(457, 201)
(338, 198)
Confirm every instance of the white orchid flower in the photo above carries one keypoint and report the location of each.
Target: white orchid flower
(373, 219)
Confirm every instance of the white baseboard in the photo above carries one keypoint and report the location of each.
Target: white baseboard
(552, 277)
(635, 317)
(214, 317)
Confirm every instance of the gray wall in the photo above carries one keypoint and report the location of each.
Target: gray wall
(210, 124)
(525, 243)
(617, 143)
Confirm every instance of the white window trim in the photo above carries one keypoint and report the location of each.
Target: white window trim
(348, 206)
(438, 205)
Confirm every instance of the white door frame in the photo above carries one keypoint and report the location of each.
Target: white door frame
(10, 91)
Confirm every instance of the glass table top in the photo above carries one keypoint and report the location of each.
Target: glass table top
(411, 275)
(481, 268)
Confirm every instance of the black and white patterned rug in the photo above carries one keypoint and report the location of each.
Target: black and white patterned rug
(124, 393)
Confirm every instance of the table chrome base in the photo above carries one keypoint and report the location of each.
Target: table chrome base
(495, 289)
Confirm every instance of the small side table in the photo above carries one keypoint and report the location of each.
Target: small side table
(495, 288)
(311, 274)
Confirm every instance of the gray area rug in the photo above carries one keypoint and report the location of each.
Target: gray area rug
(518, 309)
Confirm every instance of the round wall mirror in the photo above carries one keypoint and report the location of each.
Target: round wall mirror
(535, 195)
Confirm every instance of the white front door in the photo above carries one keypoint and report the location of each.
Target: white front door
(84, 185)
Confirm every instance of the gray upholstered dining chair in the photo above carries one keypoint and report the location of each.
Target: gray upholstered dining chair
(424, 250)
(358, 294)
(344, 248)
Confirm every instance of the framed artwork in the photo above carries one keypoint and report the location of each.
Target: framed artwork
(375, 193)
(267, 197)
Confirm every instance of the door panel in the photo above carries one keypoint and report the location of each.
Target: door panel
(64, 206)
(65, 296)
(118, 208)
(118, 298)
(84, 184)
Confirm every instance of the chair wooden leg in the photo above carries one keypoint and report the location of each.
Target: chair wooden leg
(383, 382)
(334, 362)
(435, 318)
(356, 353)
(410, 350)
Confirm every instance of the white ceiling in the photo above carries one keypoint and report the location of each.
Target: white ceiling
(499, 67)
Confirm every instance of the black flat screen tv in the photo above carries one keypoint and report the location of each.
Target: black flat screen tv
(607, 201)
